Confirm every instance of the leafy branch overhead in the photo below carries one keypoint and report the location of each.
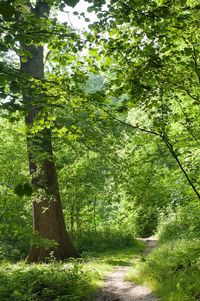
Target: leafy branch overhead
(99, 145)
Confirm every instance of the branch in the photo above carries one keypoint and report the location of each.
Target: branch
(187, 121)
(132, 126)
(170, 147)
(168, 144)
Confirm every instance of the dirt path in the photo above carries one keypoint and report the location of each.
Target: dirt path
(117, 289)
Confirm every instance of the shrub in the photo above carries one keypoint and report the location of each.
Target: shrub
(103, 240)
(146, 221)
(44, 282)
(14, 241)
(173, 269)
(183, 223)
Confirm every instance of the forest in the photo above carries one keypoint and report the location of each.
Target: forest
(99, 150)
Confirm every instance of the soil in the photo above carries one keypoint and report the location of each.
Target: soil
(117, 289)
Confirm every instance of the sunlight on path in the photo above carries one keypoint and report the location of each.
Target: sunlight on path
(117, 289)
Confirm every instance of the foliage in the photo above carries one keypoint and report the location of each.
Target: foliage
(158, 50)
(104, 240)
(181, 224)
(71, 280)
(173, 269)
(15, 219)
(121, 102)
(53, 281)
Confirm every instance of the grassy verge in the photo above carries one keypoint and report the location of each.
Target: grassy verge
(70, 281)
(173, 269)
(45, 282)
(102, 263)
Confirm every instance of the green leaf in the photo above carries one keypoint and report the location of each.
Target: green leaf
(100, 15)
(8, 39)
(7, 10)
(3, 95)
(71, 3)
(90, 9)
(23, 189)
(3, 47)
(14, 87)
(24, 59)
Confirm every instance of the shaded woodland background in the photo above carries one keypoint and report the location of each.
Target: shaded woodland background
(106, 120)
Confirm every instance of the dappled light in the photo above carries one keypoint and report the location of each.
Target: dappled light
(99, 150)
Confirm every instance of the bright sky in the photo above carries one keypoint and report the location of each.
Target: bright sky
(73, 20)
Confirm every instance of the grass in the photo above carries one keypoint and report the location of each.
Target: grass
(122, 256)
(106, 261)
(73, 280)
(172, 271)
(52, 281)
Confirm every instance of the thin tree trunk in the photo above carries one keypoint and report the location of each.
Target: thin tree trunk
(78, 222)
(94, 214)
(48, 219)
(173, 153)
(72, 216)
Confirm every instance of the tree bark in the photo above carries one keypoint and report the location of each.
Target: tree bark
(72, 213)
(94, 214)
(48, 219)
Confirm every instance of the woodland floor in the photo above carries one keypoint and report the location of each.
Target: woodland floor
(116, 288)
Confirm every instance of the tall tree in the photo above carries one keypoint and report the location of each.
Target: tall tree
(156, 43)
(48, 219)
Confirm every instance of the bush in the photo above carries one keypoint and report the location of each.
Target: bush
(173, 269)
(103, 240)
(146, 221)
(14, 241)
(44, 282)
(183, 223)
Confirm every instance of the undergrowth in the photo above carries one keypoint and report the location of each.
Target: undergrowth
(173, 269)
(73, 280)
(46, 282)
(103, 240)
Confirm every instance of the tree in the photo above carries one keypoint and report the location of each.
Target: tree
(158, 50)
(48, 220)
(15, 211)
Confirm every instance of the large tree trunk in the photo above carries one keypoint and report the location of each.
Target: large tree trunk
(48, 220)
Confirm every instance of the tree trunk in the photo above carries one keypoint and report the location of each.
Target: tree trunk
(72, 216)
(78, 221)
(48, 219)
(94, 214)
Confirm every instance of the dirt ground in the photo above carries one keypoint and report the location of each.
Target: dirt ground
(117, 289)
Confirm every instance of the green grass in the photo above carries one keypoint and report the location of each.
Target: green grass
(172, 271)
(45, 282)
(106, 261)
(73, 280)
